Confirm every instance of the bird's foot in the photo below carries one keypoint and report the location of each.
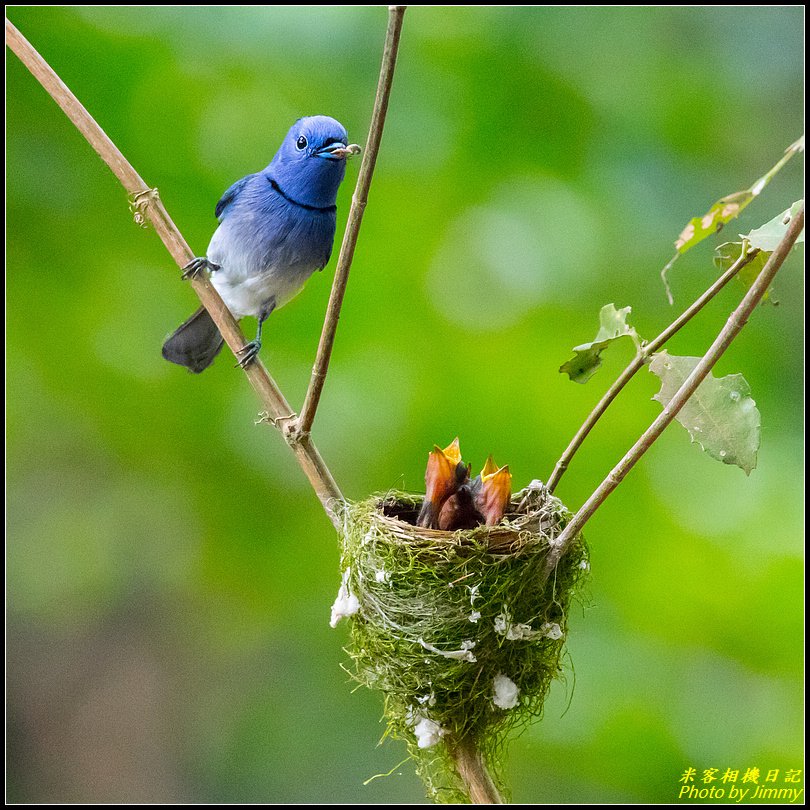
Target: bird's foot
(197, 265)
(248, 353)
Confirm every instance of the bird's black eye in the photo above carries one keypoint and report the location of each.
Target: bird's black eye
(301, 143)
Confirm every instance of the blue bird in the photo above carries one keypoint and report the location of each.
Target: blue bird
(276, 228)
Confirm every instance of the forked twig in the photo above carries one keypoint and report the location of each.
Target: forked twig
(642, 356)
(735, 323)
(149, 206)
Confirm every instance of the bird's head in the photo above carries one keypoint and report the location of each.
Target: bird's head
(311, 161)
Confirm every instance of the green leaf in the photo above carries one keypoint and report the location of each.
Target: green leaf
(765, 239)
(726, 254)
(720, 416)
(768, 236)
(612, 325)
(723, 211)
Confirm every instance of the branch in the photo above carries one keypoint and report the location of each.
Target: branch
(735, 323)
(642, 356)
(359, 199)
(474, 774)
(149, 204)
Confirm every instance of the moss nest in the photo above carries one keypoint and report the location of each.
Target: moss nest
(456, 629)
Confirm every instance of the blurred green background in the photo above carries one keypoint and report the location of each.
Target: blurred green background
(170, 573)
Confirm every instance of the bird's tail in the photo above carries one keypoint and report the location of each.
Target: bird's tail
(195, 343)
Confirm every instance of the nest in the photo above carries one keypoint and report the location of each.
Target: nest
(457, 630)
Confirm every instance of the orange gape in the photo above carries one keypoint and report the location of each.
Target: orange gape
(445, 473)
(454, 502)
(483, 500)
(492, 495)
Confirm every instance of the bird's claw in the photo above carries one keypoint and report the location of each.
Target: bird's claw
(248, 352)
(197, 265)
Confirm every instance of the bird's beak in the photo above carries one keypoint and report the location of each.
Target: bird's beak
(451, 452)
(338, 151)
(445, 472)
(496, 490)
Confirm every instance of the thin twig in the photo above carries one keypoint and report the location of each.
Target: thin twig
(474, 774)
(359, 199)
(642, 356)
(150, 205)
(735, 323)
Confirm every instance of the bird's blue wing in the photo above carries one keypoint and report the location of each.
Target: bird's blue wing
(327, 255)
(230, 196)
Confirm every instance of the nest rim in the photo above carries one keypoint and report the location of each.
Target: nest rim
(534, 516)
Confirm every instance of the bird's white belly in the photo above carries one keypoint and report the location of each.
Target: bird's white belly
(248, 296)
(245, 286)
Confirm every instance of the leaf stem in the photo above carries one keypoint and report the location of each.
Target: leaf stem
(359, 200)
(642, 356)
(733, 325)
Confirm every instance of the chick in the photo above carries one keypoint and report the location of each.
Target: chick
(444, 474)
(492, 490)
(482, 500)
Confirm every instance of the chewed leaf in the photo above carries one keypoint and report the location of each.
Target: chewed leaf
(729, 252)
(720, 416)
(723, 211)
(768, 236)
(587, 359)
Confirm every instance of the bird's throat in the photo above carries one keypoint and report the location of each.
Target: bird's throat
(279, 190)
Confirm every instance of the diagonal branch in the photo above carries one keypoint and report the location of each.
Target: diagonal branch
(735, 323)
(149, 204)
(637, 362)
(359, 199)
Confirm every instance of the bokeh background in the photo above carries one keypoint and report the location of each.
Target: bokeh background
(170, 574)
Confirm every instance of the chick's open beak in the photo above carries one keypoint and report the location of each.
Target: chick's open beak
(445, 472)
(338, 151)
(493, 497)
